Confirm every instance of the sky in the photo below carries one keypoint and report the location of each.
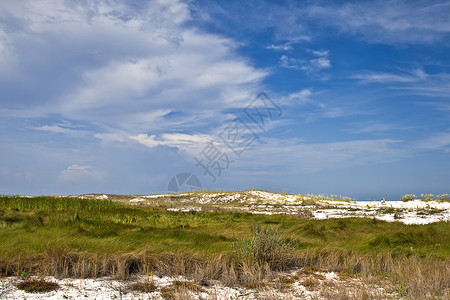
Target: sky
(344, 98)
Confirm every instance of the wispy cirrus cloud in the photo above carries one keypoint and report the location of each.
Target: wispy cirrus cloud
(287, 46)
(438, 141)
(286, 20)
(63, 129)
(434, 85)
(384, 77)
(391, 22)
(417, 82)
(378, 127)
(388, 22)
(441, 106)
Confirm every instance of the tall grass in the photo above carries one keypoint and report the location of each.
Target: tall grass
(265, 246)
(412, 276)
(49, 203)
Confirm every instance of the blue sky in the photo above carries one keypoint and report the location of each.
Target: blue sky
(120, 96)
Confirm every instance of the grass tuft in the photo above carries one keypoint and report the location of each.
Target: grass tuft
(146, 287)
(187, 285)
(37, 286)
(266, 246)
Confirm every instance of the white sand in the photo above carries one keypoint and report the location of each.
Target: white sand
(262, 202)
(107, 288)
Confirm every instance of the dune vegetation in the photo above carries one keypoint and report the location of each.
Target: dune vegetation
(426, 197)
(75, 237)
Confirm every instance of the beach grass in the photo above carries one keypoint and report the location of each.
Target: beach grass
(69, 236)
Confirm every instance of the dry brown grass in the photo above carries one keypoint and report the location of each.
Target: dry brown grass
(411, 276)
(146, 286)
(359, 293)
(180, 290)
(37, 286)
(181, 284)
(310, 283)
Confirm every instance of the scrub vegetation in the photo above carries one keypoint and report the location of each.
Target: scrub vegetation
(426, 197)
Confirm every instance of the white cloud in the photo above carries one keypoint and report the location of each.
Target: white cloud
(284, 20)
(7, 57)
(75, 173)
(295, 98)
(317, 105)
(3, 49)
(318, 62)
(195, 75)
(287, 46)
(128, 67)
(147, 140)
(112, 136)
(391, 22)
(191, 144)
(62, 130)
(431, 85)
(290, 62)
(320, 52)
(389, 77)
(279, 47)
(416, 82)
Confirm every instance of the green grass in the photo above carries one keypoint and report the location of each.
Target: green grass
(51, 235)
(33, 225)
